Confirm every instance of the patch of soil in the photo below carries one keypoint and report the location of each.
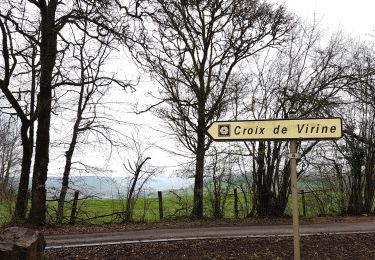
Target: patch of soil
(353, 246)
(188, 223)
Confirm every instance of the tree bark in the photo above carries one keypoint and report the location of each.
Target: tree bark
(27, 148)
(65, 180)
(272, 184)
(355, 200)
(369, 192)
(199, 166)
(27, 152)
(263, 198)
(48, 58)
(68, 161)
(27, 141)
(130, 196)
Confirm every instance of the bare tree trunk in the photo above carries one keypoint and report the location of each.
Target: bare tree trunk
(369, 192)
(69, 154)
(87, 91)
(27, 142)
(199, 166)
(217, 193)
(27, 146)
(21, 203)
(65, 180)
(262, 196)
(355, 201)
(130, 196)
(48, 58)
(130, 199)
(283, 193)
(198, 184)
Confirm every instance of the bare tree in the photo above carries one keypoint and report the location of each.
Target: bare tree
(246, 185)
(88, 56)
(138, 174)
(22, 102)
(9, 154)
(364, 124)
(219, 178)
(192, 49)
(309, 79)
(357, 150)
(42, 23)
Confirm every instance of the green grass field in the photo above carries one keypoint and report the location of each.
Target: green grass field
(147, 209)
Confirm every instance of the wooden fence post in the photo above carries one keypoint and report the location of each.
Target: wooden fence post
(160, 196)
(303, 203)
(73, 214)
(235, 203)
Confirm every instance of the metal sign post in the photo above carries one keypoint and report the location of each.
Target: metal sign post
(293, 177)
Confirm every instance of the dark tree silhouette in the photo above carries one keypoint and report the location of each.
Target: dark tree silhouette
(192, 49)
(42, 23)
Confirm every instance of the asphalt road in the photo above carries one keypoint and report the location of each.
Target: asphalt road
(175, 234)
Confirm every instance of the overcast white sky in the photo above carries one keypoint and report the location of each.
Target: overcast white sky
(352, 17)
(355, 18)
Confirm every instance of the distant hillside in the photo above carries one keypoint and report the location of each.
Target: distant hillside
(105, 187)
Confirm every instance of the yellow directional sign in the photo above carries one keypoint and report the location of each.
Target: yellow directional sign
(312, 128)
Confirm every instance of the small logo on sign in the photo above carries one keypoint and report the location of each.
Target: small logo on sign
(224, 130)
(294, 156)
